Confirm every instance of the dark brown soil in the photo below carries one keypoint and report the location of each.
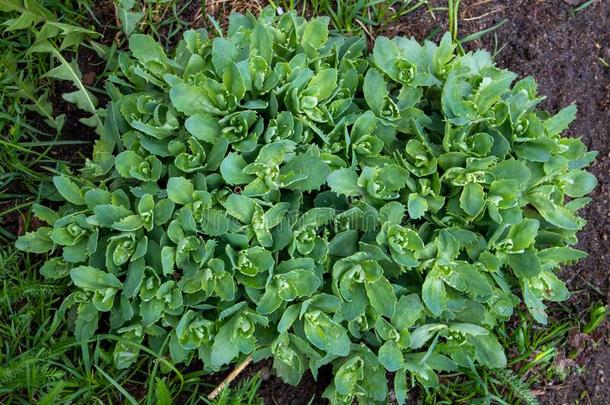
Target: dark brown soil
(561, 50)
(276, 392)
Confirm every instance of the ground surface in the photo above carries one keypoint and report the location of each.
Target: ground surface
(562, 51)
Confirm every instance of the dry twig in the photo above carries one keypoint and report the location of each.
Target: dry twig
(232, 376)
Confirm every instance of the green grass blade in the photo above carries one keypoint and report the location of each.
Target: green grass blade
(479, 34)
(118, 386)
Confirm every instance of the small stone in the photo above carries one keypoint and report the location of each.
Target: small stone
(89, 78)
(265, 374)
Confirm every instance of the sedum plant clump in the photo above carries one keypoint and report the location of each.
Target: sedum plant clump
(282, 192)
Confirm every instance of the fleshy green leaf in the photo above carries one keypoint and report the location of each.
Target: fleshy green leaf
(69, 190)
(345, 182)
(180, 190)
(390, 356)
(434, 294)
(472, 199)
(232, 170)
(488, 351)
(203, 127)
